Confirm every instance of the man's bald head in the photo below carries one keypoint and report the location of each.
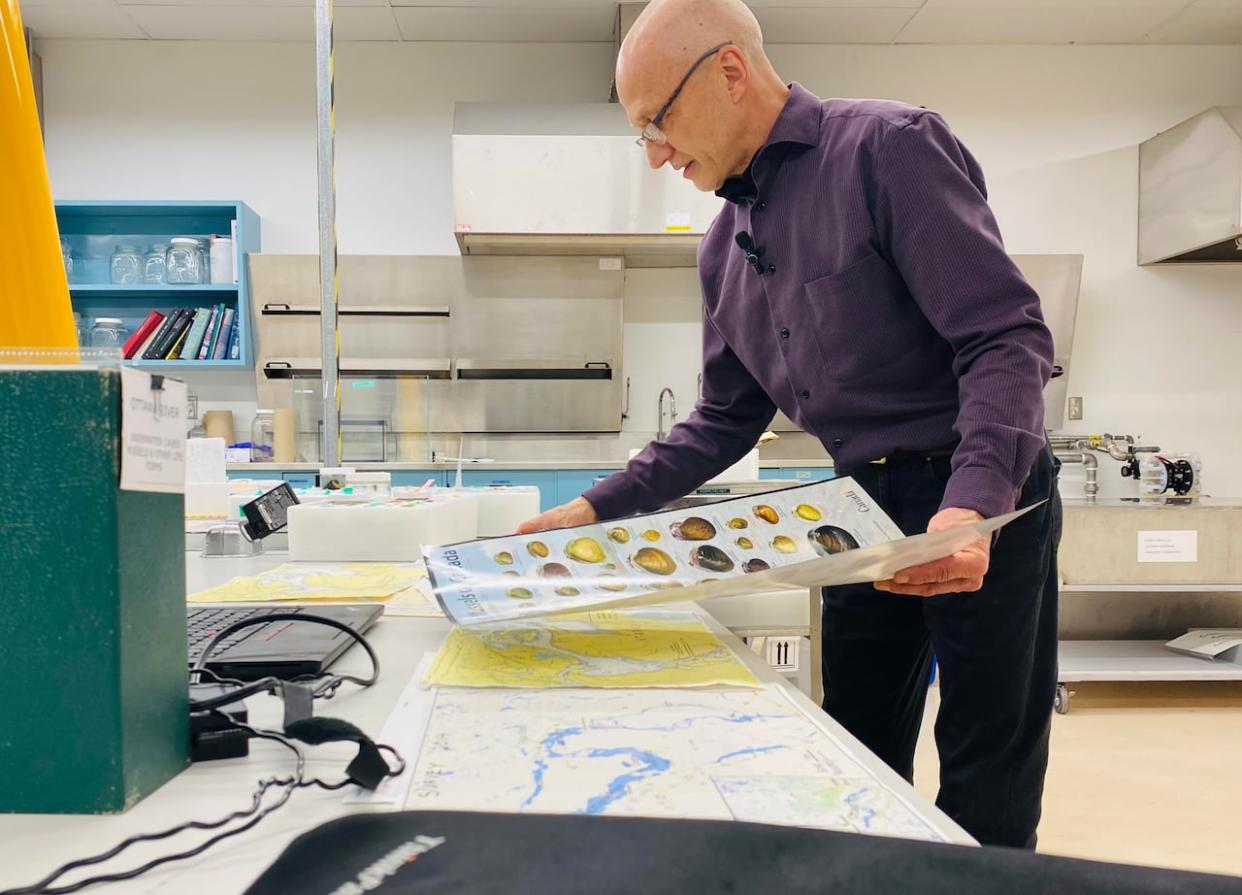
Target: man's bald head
(722, 107)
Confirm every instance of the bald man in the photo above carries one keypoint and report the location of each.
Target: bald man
(855, 278)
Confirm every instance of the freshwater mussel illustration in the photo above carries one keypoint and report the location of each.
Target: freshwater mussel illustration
(655, 561)
(567, 591)
(554, 570)
(767, 514)
(755, 565)
(586, 550)
(651, 535)
(503, 558)
(705, 556)
(808, 512)
(693, 528)
(619, 535)
(537, 549)
(830, 539)
(519, 593)
(746, 543)
(784, 544)
(737, 522)
(604, 584)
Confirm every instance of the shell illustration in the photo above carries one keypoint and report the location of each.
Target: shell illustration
(510, 574)
(693, 528)
(503, 558)
(711, 558)
(554, 570)
(784, 544)
(651, 535)
(738, 522)
(655, 561)
(585, 550)
(755, 565)
(537, 549)
(830, 539)
(613, 586)
(745, 543)
(808, 512)
(567, 591)
(519, 593)
(619, 535)
(767, 514)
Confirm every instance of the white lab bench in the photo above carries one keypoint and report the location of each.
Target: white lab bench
(33, 845)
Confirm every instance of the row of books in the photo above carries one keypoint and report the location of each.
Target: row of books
(186, 334)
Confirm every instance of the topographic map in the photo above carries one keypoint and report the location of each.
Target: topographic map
(591, 649)
(749, 755)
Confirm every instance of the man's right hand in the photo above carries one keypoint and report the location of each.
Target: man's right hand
(577, 512)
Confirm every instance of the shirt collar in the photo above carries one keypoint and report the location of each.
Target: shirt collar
(797, 125)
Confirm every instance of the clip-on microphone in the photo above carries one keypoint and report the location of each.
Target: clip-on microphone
(754, 254)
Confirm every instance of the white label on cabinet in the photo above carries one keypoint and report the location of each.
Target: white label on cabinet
(677, 222)
(610, 264)
(152, 432)
(1168, 546)
(783, 653)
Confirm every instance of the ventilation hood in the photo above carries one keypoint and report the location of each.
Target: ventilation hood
(1190, 190)
(568, 179)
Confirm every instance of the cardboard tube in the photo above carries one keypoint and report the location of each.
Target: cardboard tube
(219, 424)
(283, 435)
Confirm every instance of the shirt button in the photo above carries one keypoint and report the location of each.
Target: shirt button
(804, 394)
(784, 334)
(837, 442)
(761, 206)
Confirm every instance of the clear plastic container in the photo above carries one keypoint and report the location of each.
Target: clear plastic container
(81, 329)
(125, 266)
(155, 263)
(108, 332)
(66, 257)
(183, 261)
(263, 437)
(204, 260)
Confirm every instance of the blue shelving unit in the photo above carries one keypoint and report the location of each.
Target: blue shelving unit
(94, 228)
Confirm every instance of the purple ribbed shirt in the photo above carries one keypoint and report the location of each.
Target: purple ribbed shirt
(888, 316)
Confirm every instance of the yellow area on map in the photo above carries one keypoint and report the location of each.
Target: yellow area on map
(320, 581)
(607, 648)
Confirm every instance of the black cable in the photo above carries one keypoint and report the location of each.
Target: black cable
(255, 812)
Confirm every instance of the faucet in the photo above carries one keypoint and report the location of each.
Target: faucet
(672, 400)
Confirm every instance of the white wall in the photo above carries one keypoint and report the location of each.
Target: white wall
(1056, 129)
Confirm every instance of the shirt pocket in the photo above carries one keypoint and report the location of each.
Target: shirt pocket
(865, 320)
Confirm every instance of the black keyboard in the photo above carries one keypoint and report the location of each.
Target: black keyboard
(203, 624)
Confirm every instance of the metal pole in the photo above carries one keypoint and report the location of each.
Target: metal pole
(329, 281)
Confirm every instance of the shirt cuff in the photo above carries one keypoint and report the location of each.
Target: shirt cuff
(983, 490)
(612, 498)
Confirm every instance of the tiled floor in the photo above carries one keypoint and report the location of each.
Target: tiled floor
(1145, 774)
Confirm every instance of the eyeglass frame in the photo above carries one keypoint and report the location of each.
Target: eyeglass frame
(651, 132)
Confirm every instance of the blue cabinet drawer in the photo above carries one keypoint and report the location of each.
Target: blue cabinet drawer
(301, 479)
(570, 483)
(773, 472)
(809, 473)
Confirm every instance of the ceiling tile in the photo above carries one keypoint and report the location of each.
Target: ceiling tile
(366, 23)
(108, 22)
(1201, 25)
(225, 22)
(1096, 24)
(815, 26)
(217, 4)
(520, 24)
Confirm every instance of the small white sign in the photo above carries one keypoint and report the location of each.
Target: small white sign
(1168, 546)
(677, 222)
(152, 433)
(783, 653)
(611, 264)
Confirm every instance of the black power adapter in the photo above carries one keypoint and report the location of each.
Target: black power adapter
(214, 735)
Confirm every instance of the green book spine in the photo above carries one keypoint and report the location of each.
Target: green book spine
(194, 340)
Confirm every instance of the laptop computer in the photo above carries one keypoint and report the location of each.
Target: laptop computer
(282, 649)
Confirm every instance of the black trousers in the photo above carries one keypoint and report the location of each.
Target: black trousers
(996, 649)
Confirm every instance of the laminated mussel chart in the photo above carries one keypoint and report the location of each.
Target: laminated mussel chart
(824, 533)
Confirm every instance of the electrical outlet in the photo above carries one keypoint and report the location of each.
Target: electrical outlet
(1075, 408)
(191, 411)
(783, 652)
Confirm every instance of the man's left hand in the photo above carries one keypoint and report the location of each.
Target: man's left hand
(960, 573)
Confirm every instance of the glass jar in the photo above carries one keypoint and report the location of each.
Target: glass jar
(155, 263)
(125, 267)
(204, 260)
(80, 328)
(263, 437)
(183, 261)
(66, 257)
(108, 332)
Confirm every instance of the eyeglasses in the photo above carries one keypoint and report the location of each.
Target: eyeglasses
(651, 130)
